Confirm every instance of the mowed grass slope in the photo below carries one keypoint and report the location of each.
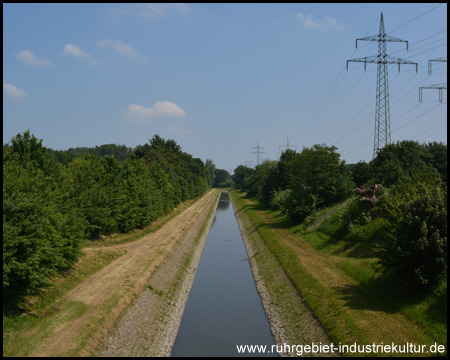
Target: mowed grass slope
(341, 283)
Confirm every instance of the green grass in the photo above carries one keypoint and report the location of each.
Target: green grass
(46, 310)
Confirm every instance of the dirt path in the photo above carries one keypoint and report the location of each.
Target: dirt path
(376, 325)
(108, 292)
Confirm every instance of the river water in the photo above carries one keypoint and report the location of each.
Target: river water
(224, 308)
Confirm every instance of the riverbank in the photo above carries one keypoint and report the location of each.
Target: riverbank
(291, 320)
(357, 307)
(71, 317)
(150, 325)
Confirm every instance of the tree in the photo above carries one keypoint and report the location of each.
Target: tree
(317, 176)
(361, 173)
(438, 157)
(266, 175)
(284, 169)
(395, 161)
(211, 168)
(28, 149)
(220, 176)
(240, 174)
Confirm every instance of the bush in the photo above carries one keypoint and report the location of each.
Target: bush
(226, 184)
(416, 247)
(355, 214)
(280, 199)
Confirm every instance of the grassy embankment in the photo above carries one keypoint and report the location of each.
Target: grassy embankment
(339, 278)
(46, 310)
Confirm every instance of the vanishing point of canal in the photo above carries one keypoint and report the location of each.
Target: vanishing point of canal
(224, 308)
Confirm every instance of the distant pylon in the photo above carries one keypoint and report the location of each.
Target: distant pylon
(382, 112)
(258, 153)
(435, 86)
(287, 147)
(247, 163)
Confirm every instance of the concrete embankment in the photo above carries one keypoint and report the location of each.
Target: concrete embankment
(150, 325)
(291, 320)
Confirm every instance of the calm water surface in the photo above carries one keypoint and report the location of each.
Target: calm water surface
(224, 308)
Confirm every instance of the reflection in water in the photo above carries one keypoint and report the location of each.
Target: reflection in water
(224, 308)
(224, 202)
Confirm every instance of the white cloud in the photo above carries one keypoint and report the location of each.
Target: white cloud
(154, 10)
(142, 114)
(121, 48)
(73, 50)
(12, 92)
(28, 57)
(116, 12)
(327, 23)
(179, 132)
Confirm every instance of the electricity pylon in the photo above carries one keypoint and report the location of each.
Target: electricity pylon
(247, 163)
(287, 147)
(435, 86)
(257, 152)
(382, 112)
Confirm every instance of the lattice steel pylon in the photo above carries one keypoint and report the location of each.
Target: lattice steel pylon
(258, 153)
(382, 112)
(440, 87)
(287, 146)
(247, 163)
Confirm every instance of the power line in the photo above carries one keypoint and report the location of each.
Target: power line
(416, 18)
(336, 108)
(321, 105)
(426, 112)
(309, 121)
(442, 123)
(440, 132)
(353, 108)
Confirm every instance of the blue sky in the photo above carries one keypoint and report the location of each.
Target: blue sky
(219, 78)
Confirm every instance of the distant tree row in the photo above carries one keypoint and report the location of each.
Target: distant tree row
(412, 201)
(222, 178)
(120, 152)
(50, 208)
(299, 181)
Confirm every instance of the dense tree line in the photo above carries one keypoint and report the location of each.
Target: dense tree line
(299, 181)
(50, 208)
(120, 152)
(222, 178)
(412, 202)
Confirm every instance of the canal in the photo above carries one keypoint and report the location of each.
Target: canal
(224, 308)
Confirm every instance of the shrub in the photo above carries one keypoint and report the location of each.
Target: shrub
(417, 245)
(226, 184)
(279, 199)
(355, 214)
